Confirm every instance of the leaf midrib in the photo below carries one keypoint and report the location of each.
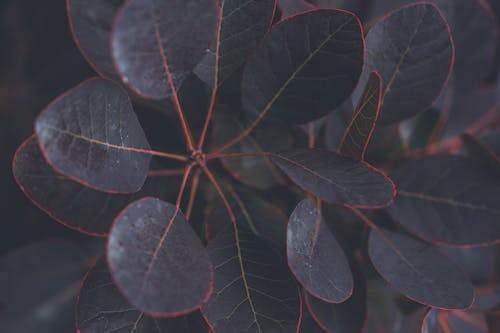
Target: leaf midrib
(446, 201)
(299, 69)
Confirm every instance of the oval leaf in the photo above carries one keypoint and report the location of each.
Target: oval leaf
(307, 65)
(412, 50)
(360, 129)
(91, 134)
(243, 25)
(253, 290)
(157, 44)
(448, 199)
(171, 272)
(76, 206)
(315, 257)
(91, 22)
(336, 179)
(102, 308)
(70, 203)
(419, 271)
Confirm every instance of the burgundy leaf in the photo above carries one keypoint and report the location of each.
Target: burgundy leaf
(475, 36)
(307, 65)
(91, 134)
(244, 24)
(102, 308)
(440, 321)
(38, 287)
(347, 317)
(70, 203)
(258, 172)
(157, 260)
(157, 44)
(419, 271)
(315, 257)
(448, 199)
(412, 50)
(359, 130)
(91, 22)
(292, 7)
(336, 179)
(253, 290)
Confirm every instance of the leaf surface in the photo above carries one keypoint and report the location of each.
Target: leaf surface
(253, 290)
(412, 50)
(419, 271)
(315, 257)
(38, 287)
(157, 260)
(306, 66)
(359, 130)
(447, 199)
(244, 24)
(91, 23)
(91, 134)
(70, 203)
(336, 179)
(102, 308)
(156, 43)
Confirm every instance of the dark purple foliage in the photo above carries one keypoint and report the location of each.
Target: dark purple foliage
(91, 134)
(101, 307)
(315, 257)
(155, 239)
(307, 62)
(335, 178)
(417, 270)
(282, 108)
(404, 48)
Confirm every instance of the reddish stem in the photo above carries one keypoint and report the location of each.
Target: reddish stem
(166, 155)
(175, 97)
(192, 194)
(311, 135)
(236, 235)
(251, 154)
(166, 172)
(170, 222)
(215, 84)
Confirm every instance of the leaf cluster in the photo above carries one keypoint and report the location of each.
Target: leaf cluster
(365, 132)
